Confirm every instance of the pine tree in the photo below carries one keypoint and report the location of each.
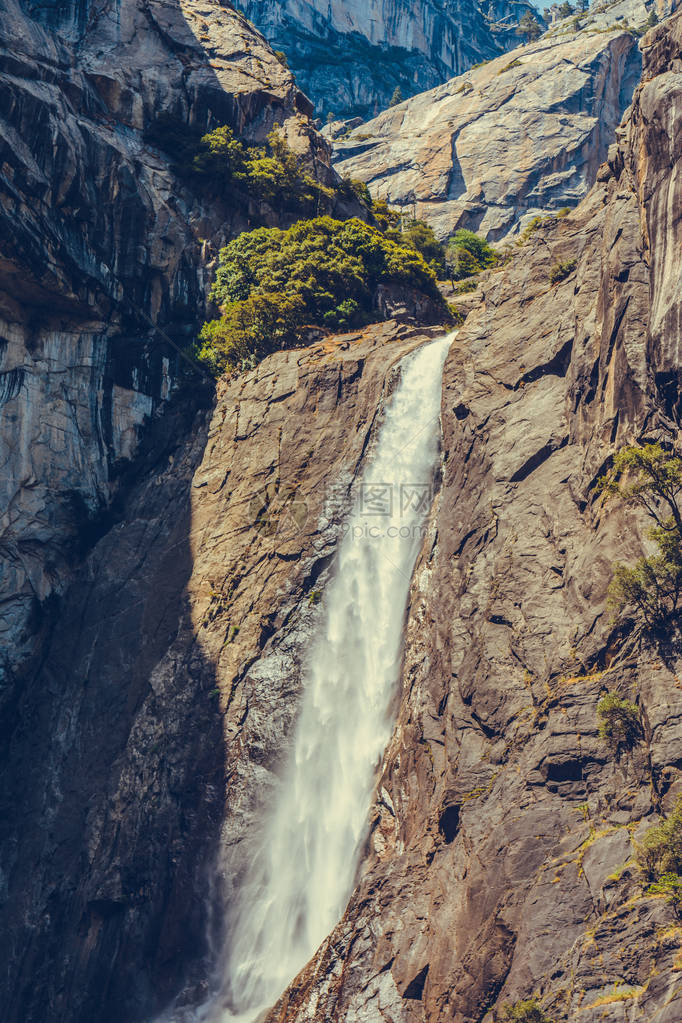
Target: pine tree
(397, 97)
(530, 27)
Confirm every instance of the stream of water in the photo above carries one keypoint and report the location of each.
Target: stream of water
(299, 884)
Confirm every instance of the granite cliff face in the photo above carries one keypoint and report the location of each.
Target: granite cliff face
(154, 649)
(351, 56)
(169, 683)
(104, 264)
(501, 860)
(102, 244)
(522, 135)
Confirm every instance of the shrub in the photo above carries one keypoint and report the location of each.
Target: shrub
(323, 260)
(660, 852)
(650, 477)
(530, 228)
(669, 885)
(419, 235)
(466, 287)
(352, 188)
(524, 1012)
(223, 165)
(560, 271)
(510, 65)
(619, 720)
(467, 254)
(271, 282)
(385, 218)
(652, 586)
(458, 317)
(249, 330)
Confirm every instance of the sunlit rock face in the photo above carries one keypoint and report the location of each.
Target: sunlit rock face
(502, 863)
(489, 150)
(104, 267)
(350, 57)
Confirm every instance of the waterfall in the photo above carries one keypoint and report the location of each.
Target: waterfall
(298, 886)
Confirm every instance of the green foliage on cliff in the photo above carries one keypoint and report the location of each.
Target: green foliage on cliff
(417, 234)
(649, 477)
(271, 283)
(653, 585)
(524, 1012)
(530, 27)
(619, 720)
(660, 852)
(320, 272)
(467, 254)
(249, 330)
(560, 271)
(271, 173)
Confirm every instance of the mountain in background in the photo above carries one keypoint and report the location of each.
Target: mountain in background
(351, 56)
(518, 137)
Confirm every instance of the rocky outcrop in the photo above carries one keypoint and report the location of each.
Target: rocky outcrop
(105, 253)
(151, 704)
(501, 862)
(488, 151)
(170, 679)
(351, 56)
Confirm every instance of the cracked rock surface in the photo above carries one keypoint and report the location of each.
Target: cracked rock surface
(102, 243)
(149, 732)
(501, 862)
(521, 135)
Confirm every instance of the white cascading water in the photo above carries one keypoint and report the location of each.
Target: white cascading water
(299, 884)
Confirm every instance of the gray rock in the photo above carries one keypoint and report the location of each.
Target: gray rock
(349, 56)
(106, 258)
(523, 135)
(507, 869)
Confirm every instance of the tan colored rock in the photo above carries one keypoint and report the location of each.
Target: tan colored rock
(512, 869)
(521, 135)
(169, 681)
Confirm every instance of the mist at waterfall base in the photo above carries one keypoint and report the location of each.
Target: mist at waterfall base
(300, 882)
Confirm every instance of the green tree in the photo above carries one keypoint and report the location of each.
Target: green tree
(650, 477)
(660, 851)
(524, 1012)
(270, 174)
(419, 235)
(397, 97)
(566, 9)
(530, 27)
(271, 282)
(652, 19)
(466, 254)
(249, 330)
(619, 720)
(222, 157)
